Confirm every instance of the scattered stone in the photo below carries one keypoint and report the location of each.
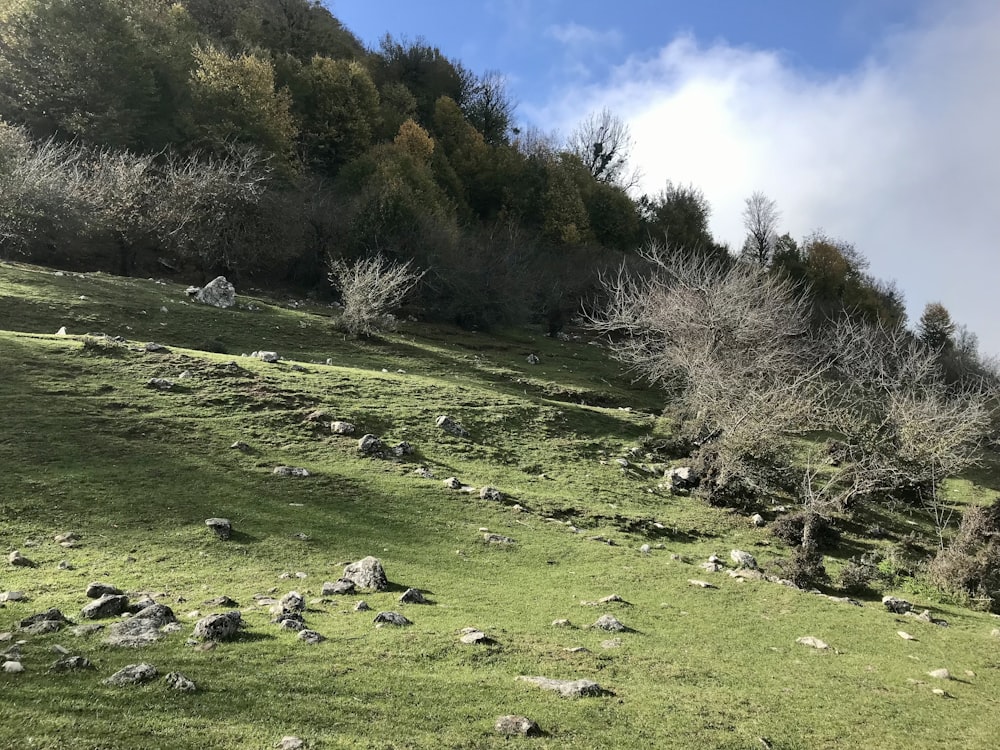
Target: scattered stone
(142, 629)
(808, 640)
(492, 493)
(498, 539)
(217, 293)
(413, 596)
(896, 606)
(290, 743)
(159, 384)
(995, 632)
(49, 615)
(177, 681)
(516, 726)
(926, 616)
(97, 589)
(390, 618)
(568, 688)
(290, 621)
(221, 601)
(611, 643)
(367, 574)
(401, 449)
(362, 606)
(71, 663)
(81, 631)
(8, 636)
(13, 596)
(340, 587)
(942, 693)
(153, 348)
(222, 627)
(602, 540)
(18, 560)
(940, 674)
(61, 331)
(342, 428)
(293, 601)
(133, 674)
(743, 559)
(109, 605)
(68, 536)
(746, 574)
(290, 471)
(645, 549)
(65, 565)
(758, 520)
(533, 359)
(609, 623)
(452, 483)
(905, 636)
(424, 473)
(452, 427)
(682, 478)
(577, 650)
(472, 636)
(845, 600)
(702, 584)
(370, 445)
(711, 567)
(310, 637)
(185, 375)
(13, 667)
(562, 624)
(269, 357)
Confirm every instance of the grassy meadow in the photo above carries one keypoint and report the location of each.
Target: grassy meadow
(87, 447)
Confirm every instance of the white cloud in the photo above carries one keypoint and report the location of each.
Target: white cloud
(583, 37)
(900, 157)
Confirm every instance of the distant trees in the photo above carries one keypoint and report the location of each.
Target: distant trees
(603, 144)
(760, 219)
(678, 216)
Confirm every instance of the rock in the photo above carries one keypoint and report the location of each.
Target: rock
(269, 357)
(177, 681)
(609, 623)
(153, 348)
(18, 560)
(401, 449)
(133, 674)
(49, 615)
(743, 559)
(516, 726)
(222, 627)
(452, 483)
(940, 674)
(109, 605)
(493, 494)
(413, 596)
(240, 446)
(317, 415)
(568, 688)
(311, 637)
(290, 621)
(70, 664)
(808, 640)
(390, 618)
(895, 605)
(367, 574)
(362, 606)
(160, 614)
(221, 601)
(68, 536)
(562, 624)
(611, 643)
(342, 428)
(290, 471)
(290, 743)
(133, 633)
(757, 520)
(702, 584)
(682, 478)
(97, 589)
(13, 667)
(905, 636)
(342, 586)
(13, 596)
(532, 359)
(425, 473)
(61, 331)
(217, 293)
(452, 427)
(645, 549)
(995, 632)
(370, 445)
(472, 636)
(293, 601)
(81, 631)
(159, 384)
(498, 539)
(711, 567)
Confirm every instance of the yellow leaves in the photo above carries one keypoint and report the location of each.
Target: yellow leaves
(415, 141)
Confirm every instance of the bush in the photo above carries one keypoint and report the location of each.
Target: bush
(789, 529)
(804, 568)
(970, 565)
(858, 574)
(369, 289)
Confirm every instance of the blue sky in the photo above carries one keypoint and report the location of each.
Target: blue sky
(876, 121)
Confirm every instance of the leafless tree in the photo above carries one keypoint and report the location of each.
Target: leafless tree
(370, 288)
(760, 219)
(603, 143)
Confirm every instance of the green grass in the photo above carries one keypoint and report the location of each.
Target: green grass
(87, 447)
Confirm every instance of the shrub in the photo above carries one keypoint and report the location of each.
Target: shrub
(803, 568)
(789, 529)
(970, 565)
(858, 574)
(369, 289)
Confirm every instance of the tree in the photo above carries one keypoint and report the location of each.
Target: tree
(936, 330)
(425, 72)
(489, 107)
(678, 215)
(603, 143)
(760, 219)
(369, 290)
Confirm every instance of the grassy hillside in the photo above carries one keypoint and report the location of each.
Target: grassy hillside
(87, 447)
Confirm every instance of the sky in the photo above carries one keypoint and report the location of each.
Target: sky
(874, 121)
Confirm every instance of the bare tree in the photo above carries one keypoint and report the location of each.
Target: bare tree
(369, 290)
(760, 219)
(603, 143)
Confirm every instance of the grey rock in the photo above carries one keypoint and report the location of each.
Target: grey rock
(68, 536)
(532, 359)
(97, 589)
(293, 601)
(702, 584)
(711, 567)
(153, 348)
(222, 627)
(109, 605)
(493, 494)
(70, 664)
(562, 624)
(160, 614)
(311, 637)
(217, 293)
(133, 633)
(342, 428)
(516, 726)
(413, 596)
(49, 615)
(896, 606)
(452, 427)
(743, 559)
(177, 681)
(472, 636)
(18, 560)
(367, 574)
(13, 666)
(159, 384)
(82, 631)
(401, 449)
(568, 688)
(423, 472)
(940, 674)
(340, 587)
(221, 601)
(133, 674)
(758, 520)
(290, 743)
(13, 596)
(453, 483)
(498, 539)
(390, 618)
(240, 446)
(290, 621)
(269, 357)
(609, 623)
(645, 549)
(290, 471)
(362, 606)
(222, 527)
(370, 445)
(611, 643)
(682, 478)
(812, 642)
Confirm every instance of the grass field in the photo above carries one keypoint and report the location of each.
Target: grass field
(86, 446)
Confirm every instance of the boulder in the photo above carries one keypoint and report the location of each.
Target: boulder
(516, 726)
(896, 606)
(399, 450)
(340, 587)
(311, 637)
(472, 636)
(159, 384)
(290, 471)
(682, 478)
(498, 539)
(13, 596)
(743, 559)
(222, 627)
(609, 623)
(812, 642)
(342, 428)
(49, 615)
(367, 574)
(293, 601)
(390, 618)
(109, 605)
(452, 483)
(757, 520)
(413, 596)
(13, 666)
(450, 426)
(290, 743)
(133, 674)
(493, 494)
(70, 664)
(370, 445)
(18, 560)
(133, 633)
(269, 357)
(568, 688)
(217, 293)
(177, 681)
(97, 589)
(222, 527)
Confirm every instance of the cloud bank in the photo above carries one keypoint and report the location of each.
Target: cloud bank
(900, 156)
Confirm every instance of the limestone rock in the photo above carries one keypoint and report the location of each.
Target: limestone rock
(290, 743)
(342, 428)
(133, 674)
(492, 494)
(18, 560)
(472, 636)
(217, 293)
(453, 483)
(153, 348)
(940, 674)
(390, 618)
(177, 681)
(293, 601)
(609, 623)
(342, 586)
(290, 471)
(269, 357)
(808, 640)
(362, 606)
(109, 605)
(222, 527)
(702, 584)
(159, 384)
(311, 637)
(896, 606)
(568, 688)
(367, 574)
(532, 359)
(758, 520)
(516, 726)
(133, 633)
(498, 539)
(370, 445)
(450, 426)
(13, 596)
(905, 636)
(13, 667)
(222, 627)
(49, 615)
(97, 589)
(743, 559)
(413, 596)
(70, 664)
(682, 478)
